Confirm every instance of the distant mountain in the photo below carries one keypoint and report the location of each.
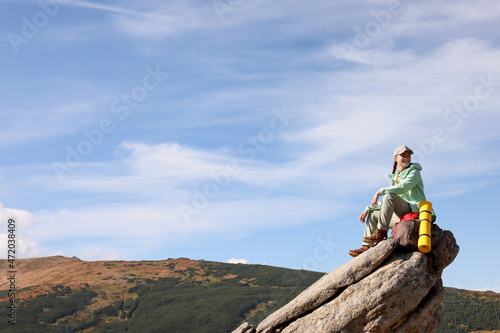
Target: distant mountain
(59, 294)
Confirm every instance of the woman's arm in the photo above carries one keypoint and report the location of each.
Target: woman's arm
(375, 199)
(406, 184)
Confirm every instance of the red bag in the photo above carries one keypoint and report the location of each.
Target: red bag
(409, 217)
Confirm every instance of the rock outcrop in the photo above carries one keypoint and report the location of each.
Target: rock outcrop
(381, 290)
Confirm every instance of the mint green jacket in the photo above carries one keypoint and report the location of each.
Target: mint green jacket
(410, 187)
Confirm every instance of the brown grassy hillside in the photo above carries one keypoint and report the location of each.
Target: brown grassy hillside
(38, 275)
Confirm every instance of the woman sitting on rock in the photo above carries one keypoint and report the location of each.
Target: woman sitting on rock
(402, 197)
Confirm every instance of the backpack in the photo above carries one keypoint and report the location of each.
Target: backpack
(406, 232)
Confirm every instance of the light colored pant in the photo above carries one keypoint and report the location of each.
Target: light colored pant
(390, 213)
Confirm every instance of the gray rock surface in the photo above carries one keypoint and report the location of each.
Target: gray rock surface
(381, 290)
(328, 285)
(245, 328)
(373, 304)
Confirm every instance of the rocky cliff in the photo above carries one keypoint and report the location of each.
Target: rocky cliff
(381, 290)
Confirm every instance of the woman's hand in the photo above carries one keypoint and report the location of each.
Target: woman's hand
(375, 199)
(363, 217)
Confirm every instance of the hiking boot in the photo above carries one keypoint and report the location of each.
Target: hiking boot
(355, 253)
(378, 236)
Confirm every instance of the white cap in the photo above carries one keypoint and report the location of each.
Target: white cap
(402, 149)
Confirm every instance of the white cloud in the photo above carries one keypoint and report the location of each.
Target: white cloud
(165, 177)
(238, 261)
(171, 160)
(29, 249)
(22, 221)
(24, 248)
(22, 218)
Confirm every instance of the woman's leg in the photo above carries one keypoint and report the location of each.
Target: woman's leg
(371, 225)
(391, 211)
(392, 208)
(379, 222)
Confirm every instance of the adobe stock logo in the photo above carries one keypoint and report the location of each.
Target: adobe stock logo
(32, 26)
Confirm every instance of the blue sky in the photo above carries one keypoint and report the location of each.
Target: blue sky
(248, 130)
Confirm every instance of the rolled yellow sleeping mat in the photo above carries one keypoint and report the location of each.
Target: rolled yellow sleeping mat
(424, 238)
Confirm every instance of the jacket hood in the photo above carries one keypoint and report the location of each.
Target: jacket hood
(416, 166)
(411, 167)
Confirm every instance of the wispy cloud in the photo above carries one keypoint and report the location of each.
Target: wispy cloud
(98, 6)
(152, 19)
